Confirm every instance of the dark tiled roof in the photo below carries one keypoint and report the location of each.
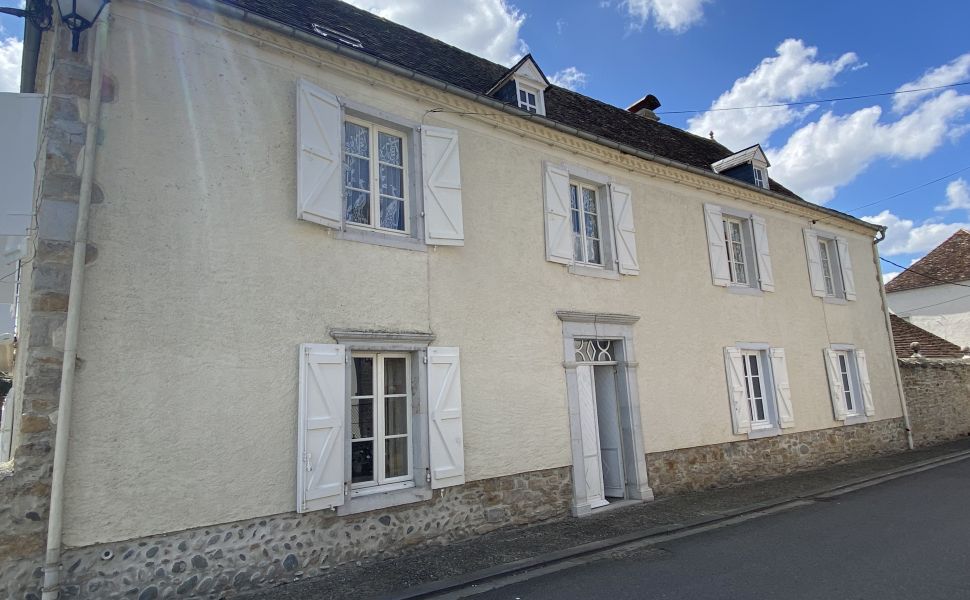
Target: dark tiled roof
(418, 52)
(950, 261)
(930, 345)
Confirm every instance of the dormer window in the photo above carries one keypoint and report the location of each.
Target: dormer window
(749, 165)
(524, 86)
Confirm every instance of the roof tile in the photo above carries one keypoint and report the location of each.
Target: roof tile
(950, 261)
(931, 345)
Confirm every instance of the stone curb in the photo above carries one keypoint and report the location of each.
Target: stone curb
(449, 585)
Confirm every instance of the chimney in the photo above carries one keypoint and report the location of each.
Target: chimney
(645, 107)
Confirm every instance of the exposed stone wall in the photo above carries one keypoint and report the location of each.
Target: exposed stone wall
(938, 397)
(224, 559)
(702, 467)
(25, 480)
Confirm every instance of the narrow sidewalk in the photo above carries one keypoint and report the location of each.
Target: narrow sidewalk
(518, 548)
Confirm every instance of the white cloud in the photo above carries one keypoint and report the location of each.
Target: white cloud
(903, 236)
(560, 26)
(831, 152)
(11, 53)
(887, 277)
(957, 196)
(488, 28)
(955, 71)
(672, 15)
(792, 74)
(570, 78)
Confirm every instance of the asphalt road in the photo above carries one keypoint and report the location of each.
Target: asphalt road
(905, 539)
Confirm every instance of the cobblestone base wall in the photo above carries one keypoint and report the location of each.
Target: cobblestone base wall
(702, 467)
(222, 560)
(938, 397)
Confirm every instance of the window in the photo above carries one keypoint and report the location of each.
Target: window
(829, 257)
(587, 242)
(845, 375)
(527, 99)
(375, 181)
(380, 418)
(758, 386)
(851, 390)
(760, 177)
(736, 237)
(829, 266)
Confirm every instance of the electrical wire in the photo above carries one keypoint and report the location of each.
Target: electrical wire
(804, 102)
(922, 185)
(938, 303)
(930, 277)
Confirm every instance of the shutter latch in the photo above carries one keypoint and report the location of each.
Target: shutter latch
(427, 474)
(306, 457)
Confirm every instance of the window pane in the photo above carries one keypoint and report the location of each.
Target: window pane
(577, 247)
(358, 206)
(573, 197)
(593, 251)
(740, 275)
(575, 221)
(356, 172)
(364, 376)
(362, 461)
(390, 149)
(759, 405)
(589, 200)
(395, 376)
(754, 365)
(756, 386)
(396, 457)
(392, 213)
(531, 99)
(392, 181)
(356, 139)
(592, 228)
(361, 418)
(396, 415)
(522, 96)
(736, 232)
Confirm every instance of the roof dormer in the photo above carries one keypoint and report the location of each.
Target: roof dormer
(749, 165)
(524, 85)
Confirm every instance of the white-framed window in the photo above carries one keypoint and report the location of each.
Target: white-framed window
(380, 421)
(375, 177)
(851, 390)
(758, 388)
(829, 266)
(528, 98)
(585, 213)
(358, 173)
(760, 177)
(589, 222)
(738, 249)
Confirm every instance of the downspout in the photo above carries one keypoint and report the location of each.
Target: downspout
(28, 70)
(892, 341)
(52, 566)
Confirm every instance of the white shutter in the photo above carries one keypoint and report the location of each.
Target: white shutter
(814, 263)
(318, 180)
(835, 384)
(863, 368)
(779, 374)
(765, 274)
(715, 245)
(320, 457)
(734, 366)
(621, 201)
(442, 187)
(848, 279)
(559, 229)
(444, 404)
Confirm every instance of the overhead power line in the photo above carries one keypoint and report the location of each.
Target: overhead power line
(804, 102)
(920, 186)
(930, 277)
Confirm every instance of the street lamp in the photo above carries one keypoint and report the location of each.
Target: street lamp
(78, 15)
(38, 13)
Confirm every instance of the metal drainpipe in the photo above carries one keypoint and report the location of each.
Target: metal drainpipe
(892, 340)
(52, 567)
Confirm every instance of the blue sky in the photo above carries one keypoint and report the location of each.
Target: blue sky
(695, 54)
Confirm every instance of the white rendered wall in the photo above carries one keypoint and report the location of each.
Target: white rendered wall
(206, 284)
(940, 309)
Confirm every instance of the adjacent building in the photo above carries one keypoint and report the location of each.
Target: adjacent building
(348, 290)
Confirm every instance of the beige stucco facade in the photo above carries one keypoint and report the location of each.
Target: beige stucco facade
(205, 285)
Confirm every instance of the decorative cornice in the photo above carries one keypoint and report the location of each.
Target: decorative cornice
(573, 316)
(402, 337)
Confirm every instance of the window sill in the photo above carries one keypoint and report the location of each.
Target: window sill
(834, 300)
(587, 271)
(744, 290)
(378, 238)
(763, 433)
(381, 500)
(856, 420)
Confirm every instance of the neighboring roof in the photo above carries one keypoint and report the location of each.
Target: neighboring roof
(930, 345)
(749, 154)
(420, 53)
(950, 261)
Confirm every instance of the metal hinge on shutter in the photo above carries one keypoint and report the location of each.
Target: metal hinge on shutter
(427, 474)
(309, 464)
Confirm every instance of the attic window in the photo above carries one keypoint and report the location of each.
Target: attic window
(749, 165)
(528, 98)
(523, 86)
(760, 178)
(333, 34)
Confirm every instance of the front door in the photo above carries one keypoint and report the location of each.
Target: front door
(592, 462)
(608, 417)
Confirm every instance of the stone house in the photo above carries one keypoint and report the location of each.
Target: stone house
(410, 296)
(925, 294)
